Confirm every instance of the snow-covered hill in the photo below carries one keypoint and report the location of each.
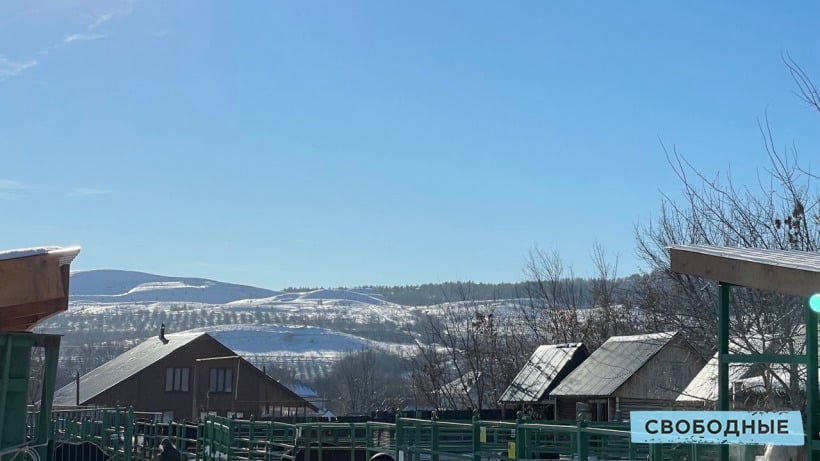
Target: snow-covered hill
(110, 311)
(115, 286)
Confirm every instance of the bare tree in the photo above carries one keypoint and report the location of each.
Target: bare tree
(362, 382)
(780, 211)
(468, 353)
(552, 304)
(561, 308)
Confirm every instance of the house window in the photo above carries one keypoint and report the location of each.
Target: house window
(176, 379)
(221, 380)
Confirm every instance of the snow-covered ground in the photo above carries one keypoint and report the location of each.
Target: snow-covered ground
(309, 330)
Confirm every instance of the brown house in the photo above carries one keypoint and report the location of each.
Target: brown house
(184, 376)
(639, 372)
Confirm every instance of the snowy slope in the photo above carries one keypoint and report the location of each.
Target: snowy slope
(115, 286)
(110, 311)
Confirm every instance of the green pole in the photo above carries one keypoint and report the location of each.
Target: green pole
(811, 384)
(4, 380)
(398, 435)
(476, 437)
(435, 429)
(520, 452)
(51, 344)
(723, 352)
(583, 441)
(129, 435)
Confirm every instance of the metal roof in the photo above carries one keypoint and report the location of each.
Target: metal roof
(121, 368)
(784, 271)
(539, 374)
(704, 386)
(139, 358)
(612, 364)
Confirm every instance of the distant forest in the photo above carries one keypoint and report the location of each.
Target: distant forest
(436, 293)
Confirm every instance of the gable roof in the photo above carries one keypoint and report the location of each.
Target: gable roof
(541, 372)
(704, 386)
(122, 367)
(612, 364)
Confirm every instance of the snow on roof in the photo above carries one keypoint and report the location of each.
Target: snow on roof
(542, 370)
(704, 386)
(66, 254)
(612, 364)
(122, 367)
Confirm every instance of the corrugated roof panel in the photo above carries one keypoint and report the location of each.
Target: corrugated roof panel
(603, 372)
(540, 371)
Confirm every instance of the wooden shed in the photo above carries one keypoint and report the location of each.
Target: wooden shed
(639, 372)
(545, 369)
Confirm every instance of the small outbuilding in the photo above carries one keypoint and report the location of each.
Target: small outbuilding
(548, 365)
(639, 372)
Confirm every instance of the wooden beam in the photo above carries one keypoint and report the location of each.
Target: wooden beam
(765, 270)
(48, 307)
(30, 279)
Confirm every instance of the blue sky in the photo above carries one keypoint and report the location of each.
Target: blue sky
(344, 143)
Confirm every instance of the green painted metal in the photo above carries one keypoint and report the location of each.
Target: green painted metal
(51, 344)
(723, 352)
(15, 350)
(5, 371)
(583, 442)
(764, 358)
(811, 384)
(477, 437)
(810, 359)
(219, 438)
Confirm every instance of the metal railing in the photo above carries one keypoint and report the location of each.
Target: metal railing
(130, 436)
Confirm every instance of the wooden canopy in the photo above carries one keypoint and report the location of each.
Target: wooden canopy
(33, 285)
(789, 272)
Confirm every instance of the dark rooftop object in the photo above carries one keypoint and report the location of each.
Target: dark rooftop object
(543, 371)
(790, 272)
(612, 364)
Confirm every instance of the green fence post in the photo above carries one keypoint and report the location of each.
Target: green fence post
(230, 442)
(398, 435)
(583, 441)
(476, 437)
(520, 435)
(656, 452)
(129, 434)
(435, 441)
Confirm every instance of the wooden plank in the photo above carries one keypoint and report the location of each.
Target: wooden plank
(47, 307)
(763, 275)
(30, 279)
(22, 324)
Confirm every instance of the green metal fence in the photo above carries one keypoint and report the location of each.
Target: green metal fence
(125, 435)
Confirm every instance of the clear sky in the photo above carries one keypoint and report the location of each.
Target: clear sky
(340, 143)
